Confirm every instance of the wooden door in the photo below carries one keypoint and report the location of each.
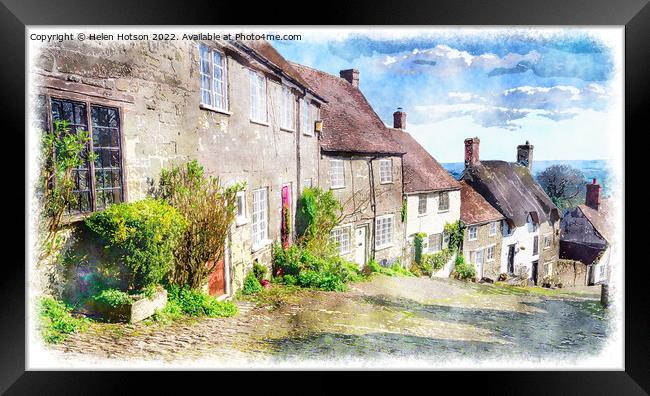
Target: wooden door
(217, 280)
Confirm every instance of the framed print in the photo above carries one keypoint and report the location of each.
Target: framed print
(439, 191)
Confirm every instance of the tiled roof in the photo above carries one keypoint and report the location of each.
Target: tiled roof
(349, 122)
(421, 171)
(511, 189)
(474, 209)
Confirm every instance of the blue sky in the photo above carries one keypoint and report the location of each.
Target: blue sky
(559, 89)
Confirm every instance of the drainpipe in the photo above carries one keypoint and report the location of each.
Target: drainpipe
(373, 204)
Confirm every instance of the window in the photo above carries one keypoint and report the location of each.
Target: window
(435, 243)
(473, 231)
(383, 231)
(241, 207)
(288, 109)
(443, 202)
(341, 238)
(385, 171)
(493, 228)
(489, 253)
(337, 174)
(258, 96)
(535, 245)
(422, 204)
(97, 184)
(547, 241)
(214, 90)
(307, 126)
(259, 217)
(307, 183)
(602, 271)
(548, 268)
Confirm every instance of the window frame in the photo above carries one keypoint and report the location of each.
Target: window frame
(342, 162)
(469, 233)
(492, 248)
(535, 245)
(89, 102)
(264, 94)
(547, 265)
(440, 195)
(225, 85)
(421, 198)
(348, 230)
(389, 243)
(441, 243)
(258, 244)
(241, 219)
(547, 237)
(382, 162)
(288, 93)
(492, 231)
(306, 124)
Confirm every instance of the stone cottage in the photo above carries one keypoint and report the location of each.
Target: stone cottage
(531, 230)
(586, 235)
(431, 194)
(362, 164)
(483, 233)
(239, 108)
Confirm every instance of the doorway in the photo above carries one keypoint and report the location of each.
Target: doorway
(360, 245)
(535, 265)
(511, 259)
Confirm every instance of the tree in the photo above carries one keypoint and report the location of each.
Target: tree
(564, 184)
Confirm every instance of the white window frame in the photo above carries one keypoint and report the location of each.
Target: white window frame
(241, 219)
(491, 248)
(306, 124)
(382, 242)
(213, 92)
(260, 214)
(493, 228)
(547, 265)
(258, 103)
(469, 233)
(446, 194)
(421, 198)
(385, 175)
(288, 121)
(337, 182)
(549, 238)
(345, 230)
(602, 271)
(430, 247)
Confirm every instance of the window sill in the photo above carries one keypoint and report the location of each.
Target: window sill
(263, 123)
(214, 109)
(386, 182)
(287, 129)
(489, 261)
(241, 222)
(378, 248)
(470, 239)
(308, 134)
(337, 188)
(422, 214)
(261, 245)
(443, 211)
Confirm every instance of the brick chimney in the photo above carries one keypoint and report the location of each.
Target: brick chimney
(471, 151)
(351, 75)
(593, 195)
(399, 119)
(525, 155)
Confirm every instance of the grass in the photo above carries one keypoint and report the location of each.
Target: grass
(57, 321)
(275, 296)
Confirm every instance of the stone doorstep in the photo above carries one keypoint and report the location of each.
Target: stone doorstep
(145, 307)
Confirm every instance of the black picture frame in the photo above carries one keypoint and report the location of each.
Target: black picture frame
(634, 14)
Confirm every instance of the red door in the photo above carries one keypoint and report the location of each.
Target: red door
(286, 215)
(217, 280)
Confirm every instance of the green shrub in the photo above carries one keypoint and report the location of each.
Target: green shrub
(395, 269)
(56, 321)
(193, 302)
(463, 270)
(436, 261)
(113, 298)
(289, 280)
(143, 235)
(418, 242)
(259, 271)
(251, 284)
(318, 213)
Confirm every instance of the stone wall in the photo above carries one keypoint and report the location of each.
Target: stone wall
(156, 87)
(548, 256)
(491, 269)
(571, 273)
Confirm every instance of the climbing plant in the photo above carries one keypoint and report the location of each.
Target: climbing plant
(319, 212)
(62, 151)
(418, 242)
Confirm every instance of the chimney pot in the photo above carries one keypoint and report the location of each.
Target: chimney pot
(399, 119)
(525, 155)
(471, 151)
(351, 76)
(592, 198)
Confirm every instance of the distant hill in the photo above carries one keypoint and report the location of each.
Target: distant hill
(600, 169)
